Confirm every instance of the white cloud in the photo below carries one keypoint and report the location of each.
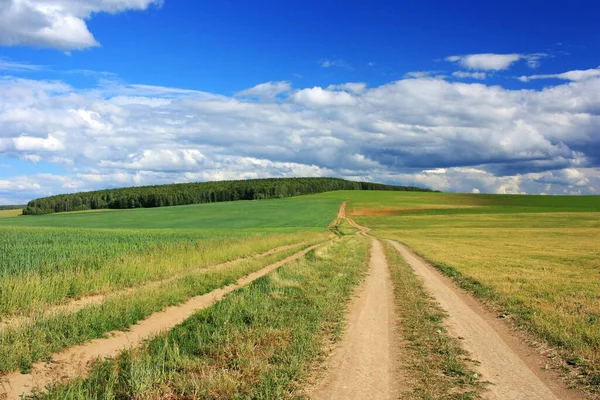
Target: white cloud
(58, 24)
(472, 180)
(418, 74)
(472, 75)
(444, 134)
(495, 62)
(8, 65)
(486, 61)
(160, 160)
(325, 63)
(20, 184)
(318, 96)
(267, 90)
(577, 75)
(354, 87)
(533, 60)
(28, 143)
(436, 171)
(34, 158)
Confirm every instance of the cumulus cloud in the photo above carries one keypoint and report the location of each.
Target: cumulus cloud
(29, 143)
(58, 24)
(267, 90)
(318, 97)
(495, 62)
(474, 180)
(577, 75)
(160, 160)
(17, 185)
(444, 134)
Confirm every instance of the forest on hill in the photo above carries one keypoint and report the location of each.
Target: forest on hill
(196, 193)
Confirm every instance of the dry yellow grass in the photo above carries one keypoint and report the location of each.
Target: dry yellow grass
(540, 267)
(10, 213)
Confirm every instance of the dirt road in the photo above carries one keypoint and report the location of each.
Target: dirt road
(74, 361)
(513, 369)
(362, 364)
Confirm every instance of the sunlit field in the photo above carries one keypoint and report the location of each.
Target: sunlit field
(68, 278)
(537, 258)
(10, 213)
(51, 264)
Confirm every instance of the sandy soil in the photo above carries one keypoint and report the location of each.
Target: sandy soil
(74, 361)
(513, 369)
(362, 363)
(86, 301)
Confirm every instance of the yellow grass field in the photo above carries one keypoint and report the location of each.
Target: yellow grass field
(10, 213)
(539, 267)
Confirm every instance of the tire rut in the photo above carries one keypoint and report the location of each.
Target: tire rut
(362, 365)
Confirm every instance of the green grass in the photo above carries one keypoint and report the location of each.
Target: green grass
(25, 250)
(88, 269)
(61, 258)
(534, 258)
(46, 334)
(46, 260)
(259, 342)
(303, 212)
(436, 365)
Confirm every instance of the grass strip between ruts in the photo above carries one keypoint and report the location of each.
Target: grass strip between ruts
(434, 362)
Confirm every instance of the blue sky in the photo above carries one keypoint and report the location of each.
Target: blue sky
(457, 96)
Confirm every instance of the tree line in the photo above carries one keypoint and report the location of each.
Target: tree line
(199, 192)
(11, 207)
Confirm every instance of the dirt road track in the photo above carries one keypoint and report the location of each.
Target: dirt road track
(513, 369)
(362, 364)
(74, 361)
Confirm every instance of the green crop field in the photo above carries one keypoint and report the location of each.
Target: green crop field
(306, 213)
(536, 258)
(52, 261)
(41, 262)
